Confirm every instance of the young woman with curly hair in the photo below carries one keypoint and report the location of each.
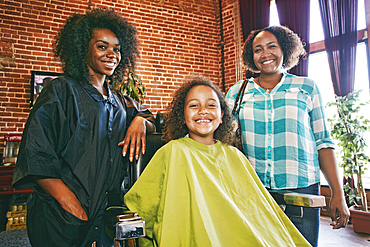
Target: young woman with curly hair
(71, 152)
(284, 131)
(199, 191)
(72, 42)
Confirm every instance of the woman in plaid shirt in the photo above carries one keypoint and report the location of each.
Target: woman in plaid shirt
(283, 126)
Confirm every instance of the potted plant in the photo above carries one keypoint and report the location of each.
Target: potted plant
(348, 128)
(131, 86)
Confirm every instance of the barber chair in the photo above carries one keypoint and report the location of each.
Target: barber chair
(128, 226)
(135, 168)
(153, 143)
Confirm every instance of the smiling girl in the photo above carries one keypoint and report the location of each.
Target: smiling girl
(199, 191)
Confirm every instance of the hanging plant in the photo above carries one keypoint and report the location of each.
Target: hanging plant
(131, 86)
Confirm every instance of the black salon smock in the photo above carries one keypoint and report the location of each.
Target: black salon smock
(72, 134)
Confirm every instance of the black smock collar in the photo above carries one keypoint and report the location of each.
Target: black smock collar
(96, 95)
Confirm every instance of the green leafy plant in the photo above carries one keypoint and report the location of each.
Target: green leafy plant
(131, 85)
(348, 128)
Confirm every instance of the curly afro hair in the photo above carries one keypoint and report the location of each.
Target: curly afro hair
(72, 42)
(175, 126)
(290, 44)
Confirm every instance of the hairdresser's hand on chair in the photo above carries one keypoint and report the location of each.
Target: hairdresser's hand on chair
(135, 137)
(339, 212)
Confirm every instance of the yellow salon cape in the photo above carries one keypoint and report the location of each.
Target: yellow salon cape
(192, 194)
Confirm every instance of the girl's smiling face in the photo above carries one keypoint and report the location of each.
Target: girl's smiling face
(267, 53)
(104, 54)
(203, 113)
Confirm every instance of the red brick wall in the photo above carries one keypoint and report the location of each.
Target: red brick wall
(177, 38)
(229, 14)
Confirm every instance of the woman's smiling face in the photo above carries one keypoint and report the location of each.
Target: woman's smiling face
(267, 53)
(202, 113)
(103, 54)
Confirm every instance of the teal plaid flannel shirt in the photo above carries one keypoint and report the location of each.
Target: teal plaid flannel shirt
(283, 130)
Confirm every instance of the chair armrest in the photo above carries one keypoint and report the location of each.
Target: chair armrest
(286, 197)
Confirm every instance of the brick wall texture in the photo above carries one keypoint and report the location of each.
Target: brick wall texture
(177, 39)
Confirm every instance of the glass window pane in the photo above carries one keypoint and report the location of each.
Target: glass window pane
(316, 31)
(318, 70)
(362, 75)
(274, 17)
(361, 19)
(362, 83)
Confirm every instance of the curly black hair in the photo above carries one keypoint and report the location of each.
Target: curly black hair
(290, 44)
(72, 42)
(175, 126)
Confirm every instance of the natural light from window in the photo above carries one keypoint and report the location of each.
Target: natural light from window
(318, 68)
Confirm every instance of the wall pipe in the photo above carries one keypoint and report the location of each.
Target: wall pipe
(222, 44)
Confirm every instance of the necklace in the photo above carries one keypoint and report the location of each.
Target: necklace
(264, 88)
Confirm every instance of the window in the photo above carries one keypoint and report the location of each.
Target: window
(318, 68)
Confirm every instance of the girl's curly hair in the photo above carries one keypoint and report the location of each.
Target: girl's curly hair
(72, 42)
(175, 126)
(290, 44)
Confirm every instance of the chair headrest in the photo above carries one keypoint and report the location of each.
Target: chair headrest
(160, 120)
